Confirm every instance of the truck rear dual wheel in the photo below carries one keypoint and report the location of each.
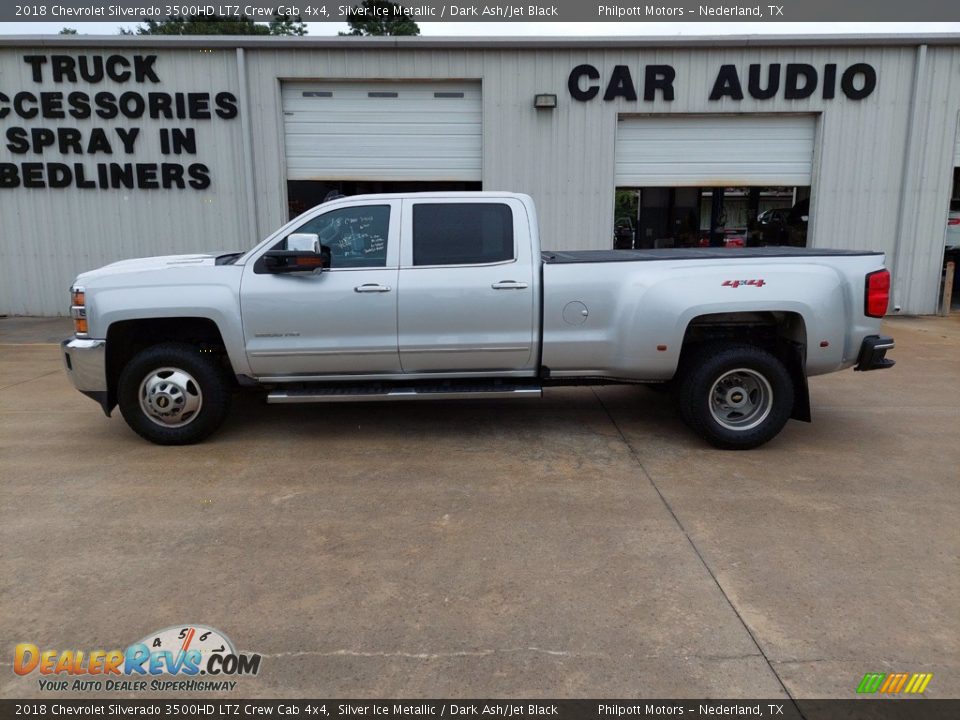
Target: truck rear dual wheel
(736, 397)
(171, 394)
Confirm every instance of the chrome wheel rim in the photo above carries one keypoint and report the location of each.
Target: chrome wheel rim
(741, 399)
(170, 397)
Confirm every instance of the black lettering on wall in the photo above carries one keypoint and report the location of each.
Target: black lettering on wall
(17, 141)
(20, 101)
(36, 62)
(79, 103)
(68, 140)
(98, 142)
(773, 81)
(128, 138)
(32, 175)
(91, 68)
(793, 90)
(226, 105)
(848, 85)
(63, 67)
(9, 175)
(42, 138)
(829, 81)
(727, 84)
(118, 68)
(199, 176)
(620, 85)
(51, 105)
(106, 103)
(143, 68)
(59, 175)
(199, 105)
(658, 77)
(176, 141)
(171, 175)
(573, 83)
(132, 104)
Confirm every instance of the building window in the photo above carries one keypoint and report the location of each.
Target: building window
(749, 216)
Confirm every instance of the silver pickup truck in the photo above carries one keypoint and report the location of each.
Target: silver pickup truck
(448, 295)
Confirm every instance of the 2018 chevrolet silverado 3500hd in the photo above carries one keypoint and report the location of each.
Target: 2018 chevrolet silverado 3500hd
(448, 295)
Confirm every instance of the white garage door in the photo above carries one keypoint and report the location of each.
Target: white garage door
(714, 150)
(382, 131)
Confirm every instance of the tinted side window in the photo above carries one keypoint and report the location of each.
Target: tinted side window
(356, 236)
(462, 233)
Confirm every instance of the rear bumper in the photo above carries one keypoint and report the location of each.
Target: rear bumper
(86, 365)
(873, 352)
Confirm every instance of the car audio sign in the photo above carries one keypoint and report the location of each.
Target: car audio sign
(50, 129)
(792, 81)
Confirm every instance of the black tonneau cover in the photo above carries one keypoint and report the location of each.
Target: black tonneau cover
(559, 257)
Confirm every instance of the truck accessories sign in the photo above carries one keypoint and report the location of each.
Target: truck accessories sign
(138, 72)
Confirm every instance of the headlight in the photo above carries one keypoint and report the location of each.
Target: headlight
(78, 311)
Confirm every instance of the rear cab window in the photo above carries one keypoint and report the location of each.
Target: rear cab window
(462, 234)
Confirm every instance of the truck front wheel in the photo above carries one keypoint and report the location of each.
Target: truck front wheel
(736, 397)
(171, 394)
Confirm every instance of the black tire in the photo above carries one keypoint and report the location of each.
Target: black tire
(718, 378)
(196, 376)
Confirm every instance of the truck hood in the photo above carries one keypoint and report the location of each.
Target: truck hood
(148, 264)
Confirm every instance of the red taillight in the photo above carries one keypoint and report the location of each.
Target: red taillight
(877, 294)
(953, 221)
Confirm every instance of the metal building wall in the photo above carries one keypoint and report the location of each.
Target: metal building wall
(565, 158)
(871, 187)
(928, 180)
(48, 236)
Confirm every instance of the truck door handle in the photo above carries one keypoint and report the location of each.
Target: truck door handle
(509, 285)
(371, 287)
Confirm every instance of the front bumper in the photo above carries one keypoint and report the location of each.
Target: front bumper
(86, 364)
(872, 353)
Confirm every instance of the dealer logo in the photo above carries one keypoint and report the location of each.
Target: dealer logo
(183, 651)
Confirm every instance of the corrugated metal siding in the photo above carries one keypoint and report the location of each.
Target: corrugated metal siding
(382, 131)
(565, 158)
(956, 150)
(48, 236)
(918, 263)
(712, 150)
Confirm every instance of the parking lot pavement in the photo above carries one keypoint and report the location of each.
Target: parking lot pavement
(584, 545)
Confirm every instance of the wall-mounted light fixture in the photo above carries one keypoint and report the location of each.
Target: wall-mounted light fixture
(544, 101)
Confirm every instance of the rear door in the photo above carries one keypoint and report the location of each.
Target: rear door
(466, 287)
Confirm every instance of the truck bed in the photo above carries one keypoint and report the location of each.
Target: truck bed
(562, 257)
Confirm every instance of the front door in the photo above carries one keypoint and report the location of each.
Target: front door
(342, 321)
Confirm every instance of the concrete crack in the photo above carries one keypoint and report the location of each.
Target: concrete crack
(423, 655)
(695, 549)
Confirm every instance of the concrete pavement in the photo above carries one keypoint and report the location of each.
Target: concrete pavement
(587, 545)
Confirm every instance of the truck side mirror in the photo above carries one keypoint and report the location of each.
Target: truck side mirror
(290, 261)
(304, 242)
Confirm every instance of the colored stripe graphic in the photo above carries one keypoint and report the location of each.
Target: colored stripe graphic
(918, 683)
(871, 682)
(893, 683)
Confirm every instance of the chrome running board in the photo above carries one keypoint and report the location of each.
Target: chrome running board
(499, 391)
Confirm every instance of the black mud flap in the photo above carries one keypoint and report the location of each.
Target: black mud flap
(801, 390)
